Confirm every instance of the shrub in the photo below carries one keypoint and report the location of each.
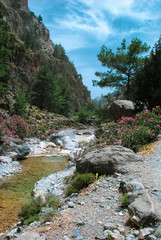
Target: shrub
(12, 127)
(47, 216)
(79, 182)
(133, 132)
(124, 200)
(52, 201)
(31, 211)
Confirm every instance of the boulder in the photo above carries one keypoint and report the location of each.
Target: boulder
(18, 151)
(121, 108)
(158, 232)
(31, 236)
(145, 209)
(65, 138)
(133, 186)
(8, 167)
(106, 160)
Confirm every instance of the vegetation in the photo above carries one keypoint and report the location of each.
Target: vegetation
(12, 127)
(124, 200)
(79, 182)
(147, 84)
(20, 104)
(132, 132)
(122, 65)
(6, 47)
(32, 211)
(49, 94)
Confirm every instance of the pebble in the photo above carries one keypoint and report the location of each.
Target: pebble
(70, 204)
(76, 233)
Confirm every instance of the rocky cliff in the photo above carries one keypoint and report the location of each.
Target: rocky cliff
(34, 48)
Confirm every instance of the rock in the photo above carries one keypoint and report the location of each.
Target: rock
(18, 151)
(69, 143)
(114, 236)
(76, 233)
(65, 138)
(132, 186)
(31, 236)
(158, 232)
(52, 183)
(70, 204)
(8, 167)
(121, 108)
(145, 209)
(109, 225)
(106, 160)
(145, 232)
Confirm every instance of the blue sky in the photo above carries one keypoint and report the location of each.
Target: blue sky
(83, 26)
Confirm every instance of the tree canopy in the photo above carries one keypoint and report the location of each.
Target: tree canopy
(6, 47)
(147, 84)
(121, 65)
(51, 92)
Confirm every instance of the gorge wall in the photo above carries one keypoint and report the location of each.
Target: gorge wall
(34, 48)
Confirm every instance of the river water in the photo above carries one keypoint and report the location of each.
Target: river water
(16, 190)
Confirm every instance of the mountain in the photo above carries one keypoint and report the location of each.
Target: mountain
(33, 49)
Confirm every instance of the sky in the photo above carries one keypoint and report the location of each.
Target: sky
(83, 26)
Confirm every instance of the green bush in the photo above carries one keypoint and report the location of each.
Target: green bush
(52, 201)
(133, 132)
(79, 182)
(47, 216)
(31, 211)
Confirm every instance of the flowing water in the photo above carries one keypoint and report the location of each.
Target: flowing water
(15, 191)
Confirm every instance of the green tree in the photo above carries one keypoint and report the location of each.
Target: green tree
(40, 19)
(52, 92)
(6, 47)
(42, 88)
(121, 65)
(147, 85)
(59, 52)
(20, 103)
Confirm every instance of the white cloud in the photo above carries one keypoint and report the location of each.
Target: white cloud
(68, 41)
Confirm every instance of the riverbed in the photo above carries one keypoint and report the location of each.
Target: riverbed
(16, 190)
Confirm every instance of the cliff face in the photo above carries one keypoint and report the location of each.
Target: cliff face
(31, 35)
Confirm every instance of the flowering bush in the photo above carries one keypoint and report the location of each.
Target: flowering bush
(133, 132)
(47, 133)
(12, 127)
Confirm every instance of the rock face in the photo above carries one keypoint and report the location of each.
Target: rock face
(107, 160)
(121, 108)
(27, 60)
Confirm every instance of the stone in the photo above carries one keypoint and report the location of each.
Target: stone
(76, 233)
(145, 209)
(158, 232)
(109, 225)
(132, 186)
(113, 236)
(120, 108)
(70, 204)
(8, 167)
(145, 232)
(31, 236)
(106, 160)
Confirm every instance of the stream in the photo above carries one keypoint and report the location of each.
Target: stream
(15, 191)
